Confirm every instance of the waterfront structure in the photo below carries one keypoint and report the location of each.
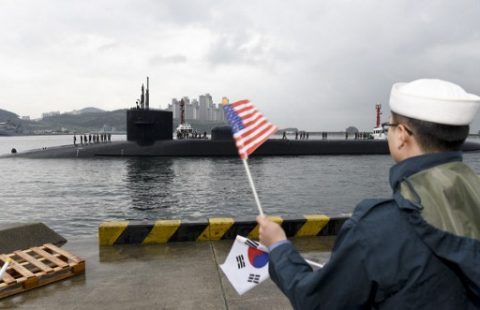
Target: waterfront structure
(49, 114)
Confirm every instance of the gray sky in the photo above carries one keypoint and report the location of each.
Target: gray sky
(315, 65)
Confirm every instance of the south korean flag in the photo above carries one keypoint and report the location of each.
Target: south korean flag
(246, 265)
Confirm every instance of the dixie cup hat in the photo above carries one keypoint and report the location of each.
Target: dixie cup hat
(435, 101)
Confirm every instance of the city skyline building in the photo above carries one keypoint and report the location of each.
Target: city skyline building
(49, 114)
(202, 109)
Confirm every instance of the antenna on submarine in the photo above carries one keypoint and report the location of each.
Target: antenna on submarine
(147, 97)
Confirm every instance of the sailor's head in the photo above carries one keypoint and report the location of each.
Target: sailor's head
(434, 112)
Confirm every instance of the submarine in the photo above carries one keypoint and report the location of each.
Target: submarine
(150, 134)
(217, 146)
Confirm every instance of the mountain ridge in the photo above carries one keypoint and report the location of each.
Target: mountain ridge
(85, 120)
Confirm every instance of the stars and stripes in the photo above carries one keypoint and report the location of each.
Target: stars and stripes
(250, 128)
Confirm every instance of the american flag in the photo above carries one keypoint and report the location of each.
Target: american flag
(250, 128)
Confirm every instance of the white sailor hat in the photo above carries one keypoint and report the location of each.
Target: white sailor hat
(434, 101)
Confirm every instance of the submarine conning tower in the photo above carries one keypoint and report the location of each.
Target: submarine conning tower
(222, 133)
(145, 126)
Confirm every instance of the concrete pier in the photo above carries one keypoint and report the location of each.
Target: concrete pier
(20, 236)
(179, 275)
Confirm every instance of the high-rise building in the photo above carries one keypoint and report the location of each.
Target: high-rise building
(219, 115)
(175, 108)
(189, 111)
(202, 109)
(204, 101)
(195, 109)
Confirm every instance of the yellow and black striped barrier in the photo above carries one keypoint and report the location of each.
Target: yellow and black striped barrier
(163, 231)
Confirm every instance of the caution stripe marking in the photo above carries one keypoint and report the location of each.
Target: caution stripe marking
(110, 231)
(217, 227)
(162, 231)
(188, 232)
(313, 225)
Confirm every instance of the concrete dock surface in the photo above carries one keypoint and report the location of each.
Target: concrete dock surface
(181, 275)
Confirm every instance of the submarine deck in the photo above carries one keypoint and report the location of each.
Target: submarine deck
(212, 148)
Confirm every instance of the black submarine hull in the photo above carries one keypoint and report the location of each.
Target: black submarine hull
(218, 148)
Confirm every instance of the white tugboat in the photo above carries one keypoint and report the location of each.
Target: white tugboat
(378, 133)
(184, 130)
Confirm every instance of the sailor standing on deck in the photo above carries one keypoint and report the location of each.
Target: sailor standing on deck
(419, 249)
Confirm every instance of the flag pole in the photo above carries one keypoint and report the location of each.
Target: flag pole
(313, 264)
(225, 103)
(252, 185)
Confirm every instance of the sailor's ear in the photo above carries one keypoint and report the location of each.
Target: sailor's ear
(405, 136)
(401, 135)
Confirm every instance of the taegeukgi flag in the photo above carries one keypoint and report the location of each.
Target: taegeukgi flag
(250, 128)
(246, 265)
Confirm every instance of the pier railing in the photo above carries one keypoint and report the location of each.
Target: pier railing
(336, 135)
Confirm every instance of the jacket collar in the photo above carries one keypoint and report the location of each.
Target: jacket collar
(412, 165)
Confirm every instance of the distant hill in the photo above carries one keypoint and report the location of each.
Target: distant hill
(81, 121)
(7, 115)
(90, 110)
(85, 120)
(90, 120)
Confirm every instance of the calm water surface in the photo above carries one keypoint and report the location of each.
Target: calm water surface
(74, 195)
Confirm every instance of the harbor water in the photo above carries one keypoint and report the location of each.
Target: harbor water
(73, 195)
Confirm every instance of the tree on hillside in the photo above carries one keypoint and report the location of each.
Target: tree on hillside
(6, 116)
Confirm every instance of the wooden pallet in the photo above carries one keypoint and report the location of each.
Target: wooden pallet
(36, 267)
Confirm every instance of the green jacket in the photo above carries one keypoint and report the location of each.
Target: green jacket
(449, 197)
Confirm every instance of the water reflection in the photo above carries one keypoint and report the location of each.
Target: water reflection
(185, 188)
(149, 182)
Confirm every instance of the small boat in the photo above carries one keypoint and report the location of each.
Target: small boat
(184, 130)
(378, 133)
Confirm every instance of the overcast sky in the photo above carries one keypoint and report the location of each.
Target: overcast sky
(315, 65)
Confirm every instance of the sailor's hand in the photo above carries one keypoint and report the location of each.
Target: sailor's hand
(269, 231)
